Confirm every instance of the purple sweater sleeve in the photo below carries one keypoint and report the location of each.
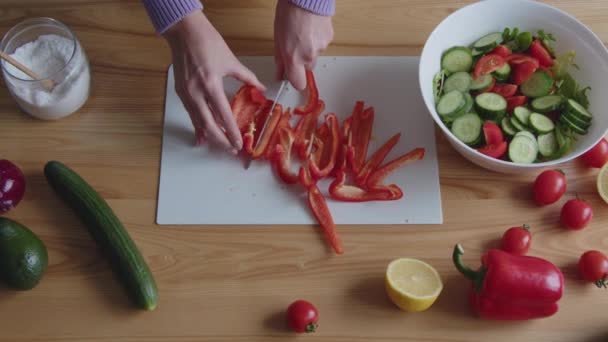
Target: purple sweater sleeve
(165, 13)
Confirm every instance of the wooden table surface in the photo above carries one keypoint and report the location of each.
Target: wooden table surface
(231, 283)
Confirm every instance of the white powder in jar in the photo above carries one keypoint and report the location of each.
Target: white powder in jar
(50, 56)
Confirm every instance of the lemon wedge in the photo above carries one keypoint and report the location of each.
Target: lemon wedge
(602, 182)
(412, 284)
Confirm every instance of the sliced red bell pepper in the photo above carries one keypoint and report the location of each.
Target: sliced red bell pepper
(319, 208)
(515, 101)
(504, 89)
(274, 139)
(494, 150)
(488, 64)
(252, 134)
(264, 141)
(281, 158)
(350, 193)
(305, 178)
(379, 174)
(304, 129)
(346, 125)
(361, 132)
(501, 50)
(538, 51)
(245, 105)
(375, 160)
(321, 167)
(312, 95)
(512, 287)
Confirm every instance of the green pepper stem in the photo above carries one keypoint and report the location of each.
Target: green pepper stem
(464, 269)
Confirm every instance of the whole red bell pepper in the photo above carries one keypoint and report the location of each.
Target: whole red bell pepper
(340, 191)
(329, 134)
(281, 157)
(383, 171)
(305, 128)
(375, 160)
(512, 287)
(312, 99)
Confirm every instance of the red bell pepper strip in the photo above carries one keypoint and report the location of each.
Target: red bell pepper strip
(245, 105)
(281, 157)
(305, 178)
(264, 140)
(341, 156)
(494, 150)
(375, 160)
(379, 174)
(312, 97)
(512, 287)
(350, 193)
(361, 132)
(254, 128)
(327, 155)
(319, 208)
(304, 129)
(274, 139)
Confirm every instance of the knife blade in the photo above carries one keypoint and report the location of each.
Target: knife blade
(274, 103)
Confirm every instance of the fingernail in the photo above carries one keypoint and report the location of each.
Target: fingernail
(234, 151)
(239, 144)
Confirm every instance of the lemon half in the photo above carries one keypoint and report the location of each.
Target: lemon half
(602, 182)
(412, 284)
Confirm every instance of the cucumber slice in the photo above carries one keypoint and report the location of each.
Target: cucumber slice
(457, 59)
(523, 150)
(482, 83)
(490, 105)
(541, 124)
(467, 128)
(539, 84)
(526, 134)
(502, 73)
(578, 110)
(574, 127)
(451, 103)
(575, 120)
(522, 114)
(520, 127)
(475, 52)
(547, 145)
(489, 41)
(460, 81)
(507, 127)
(547, 103)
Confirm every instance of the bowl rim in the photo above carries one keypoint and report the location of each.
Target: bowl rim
(596, 41)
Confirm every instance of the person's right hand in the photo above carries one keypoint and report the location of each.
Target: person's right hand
(201, 59)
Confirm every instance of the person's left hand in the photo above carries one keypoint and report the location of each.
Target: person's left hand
(300, 37)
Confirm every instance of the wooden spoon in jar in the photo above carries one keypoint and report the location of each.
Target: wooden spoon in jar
(48, 84)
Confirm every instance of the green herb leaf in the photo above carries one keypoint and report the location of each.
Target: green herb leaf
(438, 81)
(563, 63)
(581, 97)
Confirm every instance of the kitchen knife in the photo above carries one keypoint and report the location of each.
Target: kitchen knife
(274, 103)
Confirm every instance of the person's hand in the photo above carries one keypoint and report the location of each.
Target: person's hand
(299, 37)
(201, 59)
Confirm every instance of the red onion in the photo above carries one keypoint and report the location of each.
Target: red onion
(12, 185)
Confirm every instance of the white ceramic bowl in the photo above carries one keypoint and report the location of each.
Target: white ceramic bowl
(474, 21)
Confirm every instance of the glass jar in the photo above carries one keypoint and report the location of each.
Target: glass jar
(52, 51)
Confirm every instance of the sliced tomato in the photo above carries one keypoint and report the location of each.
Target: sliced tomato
(501, 50)
(487, 64)
(492, 133)
(520, 58)
(515, 101)
(505, 89)
(538, 51)
(494, 151)
(521, 72)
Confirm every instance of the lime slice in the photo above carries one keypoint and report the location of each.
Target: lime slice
(412, 284)
(602, 182)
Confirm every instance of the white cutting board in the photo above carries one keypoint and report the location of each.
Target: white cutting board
(200, 185)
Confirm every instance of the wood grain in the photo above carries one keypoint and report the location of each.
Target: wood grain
(230, 283)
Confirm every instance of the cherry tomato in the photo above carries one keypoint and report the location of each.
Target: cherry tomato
(549, 187)
(516, 240)
(505, 89)
(576, 214)
(597, 155)
(488, 64)
(302, 316)
(538, 51)
(492, 133)
(494, 151)
(501, 50)
(520, 58)
(515, 101)
(523, 71)
(593, 267)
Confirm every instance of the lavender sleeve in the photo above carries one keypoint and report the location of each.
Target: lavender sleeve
(165, 13)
